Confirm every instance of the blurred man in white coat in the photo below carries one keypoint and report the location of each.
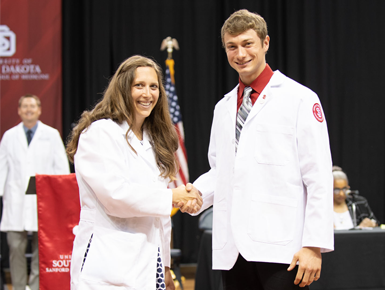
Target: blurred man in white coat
(30, 147)
(270, 181)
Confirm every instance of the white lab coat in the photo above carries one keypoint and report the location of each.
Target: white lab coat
(276, 195)
(18, 162)
(125, 207)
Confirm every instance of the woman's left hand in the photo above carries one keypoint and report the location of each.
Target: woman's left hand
(367, 223)
(168, 279)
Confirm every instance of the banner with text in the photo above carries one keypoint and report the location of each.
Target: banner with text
(58, 206)
(30, 59)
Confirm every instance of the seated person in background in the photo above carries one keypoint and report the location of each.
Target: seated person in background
(350, 210)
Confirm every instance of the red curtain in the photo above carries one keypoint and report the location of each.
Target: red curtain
(30, 59)
(58, 213)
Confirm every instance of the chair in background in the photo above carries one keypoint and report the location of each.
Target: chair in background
(206, 220)
(176, 254)
(206, 278)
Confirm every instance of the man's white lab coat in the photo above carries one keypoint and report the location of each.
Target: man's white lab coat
(18, 162)
(276, 194)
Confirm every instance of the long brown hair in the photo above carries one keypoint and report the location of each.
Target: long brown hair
(117, 105)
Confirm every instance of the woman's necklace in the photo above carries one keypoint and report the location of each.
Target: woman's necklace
(341, 218)
(139, 136)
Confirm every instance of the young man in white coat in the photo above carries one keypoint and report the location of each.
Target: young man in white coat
(30, 147)
(270, 181)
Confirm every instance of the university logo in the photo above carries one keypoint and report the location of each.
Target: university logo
(7, 41)
(317, 112)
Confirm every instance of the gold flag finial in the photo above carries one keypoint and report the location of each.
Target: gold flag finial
(170, 44)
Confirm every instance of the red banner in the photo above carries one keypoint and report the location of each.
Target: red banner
(30, 59)
(58, 207)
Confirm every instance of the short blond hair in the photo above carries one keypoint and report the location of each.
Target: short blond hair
(30, 96)
(243, 20)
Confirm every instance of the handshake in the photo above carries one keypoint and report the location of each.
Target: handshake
(187, 198)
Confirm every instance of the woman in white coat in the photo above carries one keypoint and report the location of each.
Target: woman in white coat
(123, 151)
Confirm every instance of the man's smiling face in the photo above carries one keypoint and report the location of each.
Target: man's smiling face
(246, 54)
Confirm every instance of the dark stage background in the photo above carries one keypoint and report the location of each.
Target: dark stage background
(335, 47)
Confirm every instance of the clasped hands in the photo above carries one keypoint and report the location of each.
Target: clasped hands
(187, 198)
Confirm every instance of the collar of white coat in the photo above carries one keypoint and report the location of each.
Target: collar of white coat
(38, 128)
(36, 136)
(134, 141)
(275, 81)
(231, 97)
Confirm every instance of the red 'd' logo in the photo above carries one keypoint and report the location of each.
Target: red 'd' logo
(317, 112)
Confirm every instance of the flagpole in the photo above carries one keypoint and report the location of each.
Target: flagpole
(182, 176)
(180, 154)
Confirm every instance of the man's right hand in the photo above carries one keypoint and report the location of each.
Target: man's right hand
(187, 198)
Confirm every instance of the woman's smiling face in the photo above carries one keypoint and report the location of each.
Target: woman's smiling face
(144, 92)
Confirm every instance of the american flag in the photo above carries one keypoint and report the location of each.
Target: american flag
(176, 117)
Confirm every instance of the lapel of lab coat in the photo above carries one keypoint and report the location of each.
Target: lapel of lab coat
(266, 96)
(145, 151)
(22, 137)
(231, 105)
(142, 151)
(39, 131)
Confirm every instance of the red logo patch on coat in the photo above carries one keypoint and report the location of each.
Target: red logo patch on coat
(317, 112)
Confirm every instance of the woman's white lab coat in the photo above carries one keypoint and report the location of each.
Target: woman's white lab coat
(125, 211)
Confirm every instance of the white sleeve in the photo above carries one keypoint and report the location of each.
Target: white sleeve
(101, 164)
(3, 162)
(206, 182)
(316, 170)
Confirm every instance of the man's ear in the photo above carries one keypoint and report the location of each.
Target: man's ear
(266, 43)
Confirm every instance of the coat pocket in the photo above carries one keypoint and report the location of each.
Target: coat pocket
(112, 258)
(273, 144)
(272, 219)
